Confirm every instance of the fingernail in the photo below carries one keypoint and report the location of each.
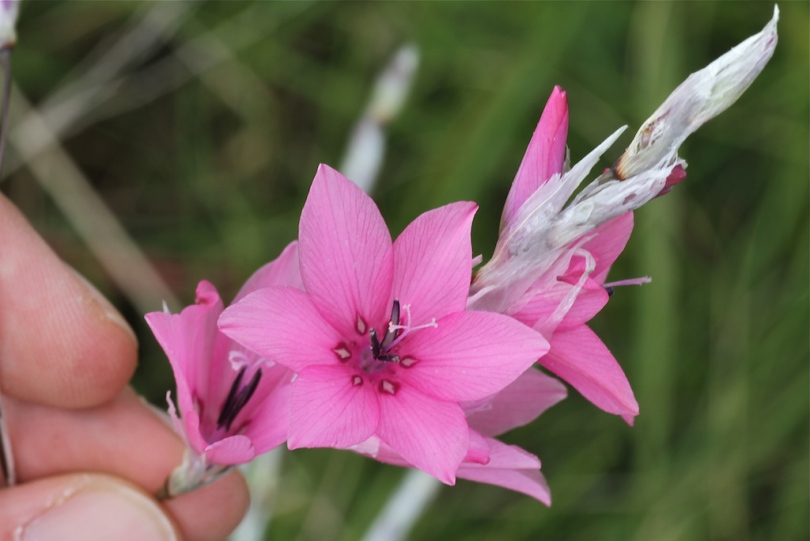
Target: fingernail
(104, 307)
(101, 511)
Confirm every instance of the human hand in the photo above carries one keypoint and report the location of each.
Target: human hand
(89, 452)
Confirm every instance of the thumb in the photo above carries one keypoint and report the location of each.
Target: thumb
(85, 507)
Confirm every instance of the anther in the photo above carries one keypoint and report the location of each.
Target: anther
(392, 333)
(375, 343)
(238, 397)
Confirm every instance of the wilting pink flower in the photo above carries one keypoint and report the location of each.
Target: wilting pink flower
(565, 288)
(489, 460)
(380, 339)
(233, 402)
(562, 310)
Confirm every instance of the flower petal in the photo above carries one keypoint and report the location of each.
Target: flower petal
(189, 426)
(187, 338)
(544, 157)
(328, 410)
(520, 403)
(267, 414)
(433, 262)
(430, 434)
(282, 271)
(346, 254)
(231, 450)
(509, 467)
(282, 324)
(478, 450)
(579, 357)
(538, 311)
(609, 240)
(470, 355)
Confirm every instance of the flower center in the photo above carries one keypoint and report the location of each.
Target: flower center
(382, 352)
(238, 397)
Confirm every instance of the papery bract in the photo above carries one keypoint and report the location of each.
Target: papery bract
(545, 225)
(380, 339)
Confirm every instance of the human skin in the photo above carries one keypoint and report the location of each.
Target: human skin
(86, 447)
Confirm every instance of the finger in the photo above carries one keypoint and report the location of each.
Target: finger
(82, 506)
(125, 438)
(61, 343)
(212, 512)
(122, 437)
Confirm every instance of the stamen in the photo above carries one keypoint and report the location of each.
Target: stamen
(388, 387)
(375, 343)
(630, 282)
(237, 398)
(393, 331)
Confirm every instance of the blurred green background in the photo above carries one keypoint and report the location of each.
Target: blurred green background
(206, 140)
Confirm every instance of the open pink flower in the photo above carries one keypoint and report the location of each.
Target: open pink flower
(233, 402)
(380, 340)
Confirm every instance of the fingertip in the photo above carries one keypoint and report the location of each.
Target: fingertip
(61, 343)
(82, 506)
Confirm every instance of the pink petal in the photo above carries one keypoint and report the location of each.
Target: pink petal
(328, 410)
(589, 301)
(283, 271)
(433, 262)
(231, 450)
(188, 338)
(518, 404)
(610, 240)
(470, 355)
(380, 451)
(345, 254)
(266, 416)
(478, 450)
(430, 434)
(579, 357)
(281, 323)
(189, 426)
(509, 467)
(544, 157)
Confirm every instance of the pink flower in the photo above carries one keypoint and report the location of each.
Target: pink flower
(233, 402)
(489, 460)
(380, 340)
(577, 354)
(562, 289)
